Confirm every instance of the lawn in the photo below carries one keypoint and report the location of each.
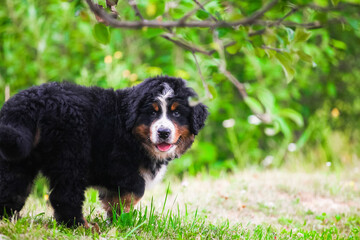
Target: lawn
(252, 204)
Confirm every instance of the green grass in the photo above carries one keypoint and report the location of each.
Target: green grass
(149, 224)
(175, 219)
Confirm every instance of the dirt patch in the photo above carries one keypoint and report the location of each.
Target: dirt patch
(273, 197)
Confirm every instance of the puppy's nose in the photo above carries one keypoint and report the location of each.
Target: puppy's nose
(164, 133)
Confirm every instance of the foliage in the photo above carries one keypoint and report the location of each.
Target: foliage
(304, 79)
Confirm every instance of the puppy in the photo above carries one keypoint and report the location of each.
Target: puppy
(117, 141)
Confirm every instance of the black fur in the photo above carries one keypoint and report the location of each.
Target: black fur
(77, 137)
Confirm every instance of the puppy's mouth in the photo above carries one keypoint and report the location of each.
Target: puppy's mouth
(164, 147)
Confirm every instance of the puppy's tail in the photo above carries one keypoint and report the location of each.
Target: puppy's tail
(15, 143)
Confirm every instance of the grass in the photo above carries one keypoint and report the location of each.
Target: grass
(172, 212)
(148, 224)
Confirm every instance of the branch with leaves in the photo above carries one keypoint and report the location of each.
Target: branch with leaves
(260, 30)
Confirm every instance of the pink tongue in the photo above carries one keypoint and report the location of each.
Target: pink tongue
(163, 147)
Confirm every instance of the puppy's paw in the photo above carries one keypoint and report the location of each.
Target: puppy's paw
(93, 226)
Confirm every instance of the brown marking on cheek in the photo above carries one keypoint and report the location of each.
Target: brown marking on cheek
(187, 138)
(37, 137)
(174, 106)
(182, 131)
(142, 131)
(155, 106)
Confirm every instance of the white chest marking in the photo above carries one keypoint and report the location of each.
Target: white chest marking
(150, 179)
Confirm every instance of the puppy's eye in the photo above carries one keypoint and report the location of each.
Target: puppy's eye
(176, 114)
(153, 113)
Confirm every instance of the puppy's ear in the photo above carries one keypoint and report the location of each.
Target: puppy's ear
(130, 120)
(198, 117)
(132, 111)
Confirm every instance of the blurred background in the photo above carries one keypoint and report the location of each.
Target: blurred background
(311, 96)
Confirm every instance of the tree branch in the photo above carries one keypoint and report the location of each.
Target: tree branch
(133, 4)
(277, 22)
(264, 117)
(185, 45)
(187, 15)
(252, 20)
(201, 6)
(274, 49)
(257, 14)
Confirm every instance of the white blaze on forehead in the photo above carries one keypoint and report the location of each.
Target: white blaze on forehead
(167, 91)
(163, 121)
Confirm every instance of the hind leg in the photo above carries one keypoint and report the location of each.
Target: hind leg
(67, 198)
(67, 175)
(15, 185)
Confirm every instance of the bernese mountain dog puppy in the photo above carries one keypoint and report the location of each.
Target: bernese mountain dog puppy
(119, 142)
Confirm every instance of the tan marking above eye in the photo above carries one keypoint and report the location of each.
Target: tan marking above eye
(155, 106)
(174, 106)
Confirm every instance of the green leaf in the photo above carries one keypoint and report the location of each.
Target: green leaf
(266, 98)
(293, 115)
(271, 131)
(335, 2)
(259, 52)
(301, 35)
(331, 89)
(217, 77)
(233, 49)
(102, 3)
(254, 105)
(269, 37)
(257, 41)
(223, 31)
(212, 91)
(154, 71)
(290, 34)
(152, 32)
(305, 57)
(202, 14)
(304, 137)
(354, 23)
(285, 61)
(284, 127)
(101, 33)
(338, 44)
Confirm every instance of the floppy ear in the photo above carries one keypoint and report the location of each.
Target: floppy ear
(130, 120)
(198, 117)
(132, 112)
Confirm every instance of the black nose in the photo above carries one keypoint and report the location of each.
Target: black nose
(164, 133)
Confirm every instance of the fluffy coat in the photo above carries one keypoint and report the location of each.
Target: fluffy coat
(80, 137)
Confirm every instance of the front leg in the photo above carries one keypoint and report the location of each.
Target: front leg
(127, 194)
(114, 202)
(67, 198)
